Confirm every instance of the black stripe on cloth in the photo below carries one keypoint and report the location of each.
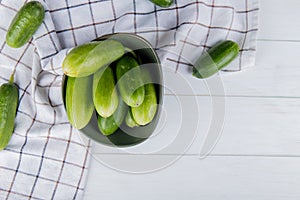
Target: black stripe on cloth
(46, 143)
(19, 161)
(114, 16)
(8, 7)
(134, 17)
(245, 37)
(63, 164)
(145, 13)
(247, 11)
(43, 178)
(83, 168)
(156, 26)
(21, 151)
(19, 194)
(93, 18)
(187, 36)
(71, 23)
(76, 6)
(46, 157)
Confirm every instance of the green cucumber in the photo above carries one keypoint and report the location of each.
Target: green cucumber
(79, 101)
(88, 58)
(9, 99)
(145, 113)
(163, 3)
(215, 59)
(109, 125)
(129, 120)
(105, 95)
(130, 81)
(25, 23)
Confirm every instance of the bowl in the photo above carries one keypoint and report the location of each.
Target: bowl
(126, 136)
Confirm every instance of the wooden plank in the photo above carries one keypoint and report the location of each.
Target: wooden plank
(252, 126)
(278, 20)
(276, 74)
(277, 67)
(214, 178)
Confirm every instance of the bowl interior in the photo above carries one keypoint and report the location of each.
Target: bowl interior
(126, 136)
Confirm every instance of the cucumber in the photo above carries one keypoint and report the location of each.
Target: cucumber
(9, 99)
(145, 113)
(105, 95)
(130, 81)
(87, 58)
(129, 120)
(163, 3)
(109, 125)
(79, 101)
(25, 23)
(215, 59)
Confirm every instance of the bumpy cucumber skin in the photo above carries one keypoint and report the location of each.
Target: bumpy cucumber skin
(129, 120)
(86, 59)
(163, 3)
(109, 125)
(79, 101)
(25, 24)
(9, 98)
(130, 81)
(145, 113)
(215, 59)
(105, 95)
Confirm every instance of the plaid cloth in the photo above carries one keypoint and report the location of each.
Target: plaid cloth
(46, 158)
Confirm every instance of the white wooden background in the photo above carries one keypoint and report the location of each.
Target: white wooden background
(258, 154)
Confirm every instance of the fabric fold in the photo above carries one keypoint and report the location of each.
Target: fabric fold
(47, 158)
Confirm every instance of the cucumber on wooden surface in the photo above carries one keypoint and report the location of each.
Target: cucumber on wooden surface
(130, 81)
(215, 59)
(86, 59)
(9, 99)
(105, 95)
(109, 125)
(25, 23)
(79, 101)
(163, 3)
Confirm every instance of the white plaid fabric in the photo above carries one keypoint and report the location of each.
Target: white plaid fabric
(46, 158)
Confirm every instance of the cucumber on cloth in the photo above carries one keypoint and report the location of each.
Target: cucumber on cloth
(25, 23)
(215, 59)
(9, 99)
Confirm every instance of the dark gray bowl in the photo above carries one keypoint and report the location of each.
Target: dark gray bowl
(125, 136)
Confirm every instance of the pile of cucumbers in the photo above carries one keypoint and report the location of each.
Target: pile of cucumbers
(102, 76)
(106, 77)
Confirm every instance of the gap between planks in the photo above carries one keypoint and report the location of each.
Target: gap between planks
(234, 96)
(208, 156)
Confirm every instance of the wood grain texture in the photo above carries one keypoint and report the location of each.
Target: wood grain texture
(252, 126)
(273, 76)
(217, 178)
(278, 20)
(257, 156)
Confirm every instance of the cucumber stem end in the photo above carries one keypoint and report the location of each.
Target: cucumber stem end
(11, 79)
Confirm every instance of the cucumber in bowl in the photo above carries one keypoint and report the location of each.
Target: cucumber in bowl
(113, 130)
